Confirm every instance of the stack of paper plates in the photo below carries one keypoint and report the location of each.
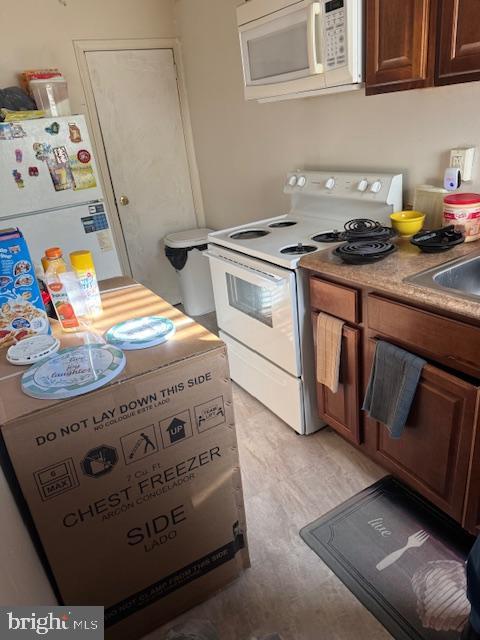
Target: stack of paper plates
(140, 333)
(73, 371)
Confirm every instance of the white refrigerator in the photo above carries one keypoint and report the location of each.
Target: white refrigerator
(50, 190)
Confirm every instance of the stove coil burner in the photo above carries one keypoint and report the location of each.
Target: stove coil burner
(249, 234)
(361, 226)
(366, 229)
(438, 240)
(330, 236)
(364, 252)
(281, 224)
(298, 249)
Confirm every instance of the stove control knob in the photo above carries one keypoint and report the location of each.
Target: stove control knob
(301, 181)
(362, 185)
(292, 181)
(330, 183)
(376, 186)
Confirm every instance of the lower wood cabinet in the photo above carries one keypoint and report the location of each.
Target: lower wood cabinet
(438, 453)
(341, 410)
(433, 453)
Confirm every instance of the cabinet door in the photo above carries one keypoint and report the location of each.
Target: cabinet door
(433, 453)
(458, 44)
(341, 410)
(399, 44)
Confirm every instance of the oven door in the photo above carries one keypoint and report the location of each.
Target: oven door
(256, 303)
(282, 52)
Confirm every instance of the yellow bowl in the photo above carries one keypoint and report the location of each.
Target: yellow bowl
(407, 223)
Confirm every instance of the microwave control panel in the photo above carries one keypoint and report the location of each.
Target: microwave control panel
(335, 34)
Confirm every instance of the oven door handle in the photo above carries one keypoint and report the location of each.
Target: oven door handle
(261, 275)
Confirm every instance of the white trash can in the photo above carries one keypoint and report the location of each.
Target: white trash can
(185, 250)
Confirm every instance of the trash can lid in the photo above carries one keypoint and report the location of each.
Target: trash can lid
(189, 238)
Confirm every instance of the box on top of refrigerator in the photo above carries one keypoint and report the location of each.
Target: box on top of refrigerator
(22, 312)
(135, 488)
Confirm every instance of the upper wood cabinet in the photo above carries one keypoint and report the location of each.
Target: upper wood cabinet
(398, 45)
(412, 44)
(458, 43)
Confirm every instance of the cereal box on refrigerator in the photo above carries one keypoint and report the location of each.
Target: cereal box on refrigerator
(22, 312)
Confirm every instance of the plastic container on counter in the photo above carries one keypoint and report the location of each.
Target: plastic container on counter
(463, 211)
(59, 290)
(51, 96)
(84, 268)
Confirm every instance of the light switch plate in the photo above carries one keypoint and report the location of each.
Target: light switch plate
(463, 159)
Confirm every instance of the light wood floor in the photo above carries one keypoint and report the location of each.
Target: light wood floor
(289, 481)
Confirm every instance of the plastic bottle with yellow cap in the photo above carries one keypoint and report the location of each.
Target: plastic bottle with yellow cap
(84, 268)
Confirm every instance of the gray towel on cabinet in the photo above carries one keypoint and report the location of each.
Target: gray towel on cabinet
(392, 386)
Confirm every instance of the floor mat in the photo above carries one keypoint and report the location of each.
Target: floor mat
(401, 557)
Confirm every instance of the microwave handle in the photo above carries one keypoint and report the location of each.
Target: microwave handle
(314, 65)
(258, 274)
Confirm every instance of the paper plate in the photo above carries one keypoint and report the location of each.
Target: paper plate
(73, 371)
(33, 349)
(140, 333)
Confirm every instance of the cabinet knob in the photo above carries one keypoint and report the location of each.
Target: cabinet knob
(124, 201)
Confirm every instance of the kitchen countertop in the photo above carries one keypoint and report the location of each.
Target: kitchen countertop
(388, 275)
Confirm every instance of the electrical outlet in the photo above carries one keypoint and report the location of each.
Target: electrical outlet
(463, 159)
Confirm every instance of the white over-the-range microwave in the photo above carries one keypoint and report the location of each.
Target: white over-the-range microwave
(299, 48)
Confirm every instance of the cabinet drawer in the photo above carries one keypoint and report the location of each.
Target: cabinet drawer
(334, 299)
(450, 342)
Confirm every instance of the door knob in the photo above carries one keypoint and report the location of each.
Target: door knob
(124, 200)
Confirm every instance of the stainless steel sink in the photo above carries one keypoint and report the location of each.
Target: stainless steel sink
(460, 277)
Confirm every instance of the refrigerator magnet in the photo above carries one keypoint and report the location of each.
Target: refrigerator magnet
(74, 132)
(42, 150)
(84, 156)
(61, 174)
(53, 129)
(17, 130)
(82, 174)
(17, 176)
(5, 131)
(18, 155)
(33, 172)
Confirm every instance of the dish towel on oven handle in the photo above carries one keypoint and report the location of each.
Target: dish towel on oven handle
(392, 386)
(329, 350)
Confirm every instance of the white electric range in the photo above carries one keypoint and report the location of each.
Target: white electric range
(261, 295)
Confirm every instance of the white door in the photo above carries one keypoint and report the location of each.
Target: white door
(138, 107)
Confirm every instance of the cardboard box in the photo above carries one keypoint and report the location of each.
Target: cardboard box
(22, 311)
(135, 488)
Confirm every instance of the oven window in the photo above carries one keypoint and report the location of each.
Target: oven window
(277, 53)
(251, 299)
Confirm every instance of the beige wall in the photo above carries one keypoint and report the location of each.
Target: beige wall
(39, 33)
(244, 149)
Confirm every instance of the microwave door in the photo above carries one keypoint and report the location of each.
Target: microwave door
(283, 53)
